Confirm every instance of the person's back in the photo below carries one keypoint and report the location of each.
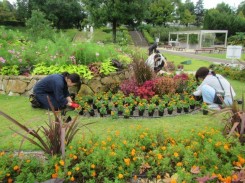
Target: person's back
(153, 48)
(156, 61)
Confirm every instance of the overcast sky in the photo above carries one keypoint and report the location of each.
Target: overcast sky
(207, 3)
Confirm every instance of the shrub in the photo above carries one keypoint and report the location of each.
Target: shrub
(165, 85)
(146, 90)
(129, 86)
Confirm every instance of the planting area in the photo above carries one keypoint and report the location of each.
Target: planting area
(146, 128)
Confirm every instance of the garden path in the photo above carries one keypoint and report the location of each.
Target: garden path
(191, 54)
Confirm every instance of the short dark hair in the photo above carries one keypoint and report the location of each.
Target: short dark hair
(74, 77)
(202, 72)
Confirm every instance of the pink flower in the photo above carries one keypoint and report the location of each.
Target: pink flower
(2, 60)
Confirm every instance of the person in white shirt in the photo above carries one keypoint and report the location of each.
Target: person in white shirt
(156, 61)
(211, 83)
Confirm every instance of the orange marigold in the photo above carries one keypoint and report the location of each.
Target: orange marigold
(72, 179)
(127, 161)
(54, 175)
(93, 166)
(10, 180)
(16, 167)
(176, 154)
(69, 173)
(62, 163)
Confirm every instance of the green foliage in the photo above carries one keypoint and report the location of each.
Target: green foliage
(148, 37)
(106, 67)
(10, 70)
(39, 27)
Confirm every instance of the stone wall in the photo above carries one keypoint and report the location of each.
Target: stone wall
(23, 85)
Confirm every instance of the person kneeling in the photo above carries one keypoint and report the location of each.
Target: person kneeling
(211, 85)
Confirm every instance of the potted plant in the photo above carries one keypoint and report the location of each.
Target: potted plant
(186, 106)
(161, 108)
(155, 99)
(151, 109)
(89, 109)
(110, 107)
(126, 112)
(204, 108)
(170, 107)
(120, 109)
(179, 106)
(192, 102)
(141, 108)
(102, 110)
(114, 114)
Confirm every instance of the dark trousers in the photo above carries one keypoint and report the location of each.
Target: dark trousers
(43, 100)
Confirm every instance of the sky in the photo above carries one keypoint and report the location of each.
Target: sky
(207, 3)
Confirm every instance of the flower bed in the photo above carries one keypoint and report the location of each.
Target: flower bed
(199, 156)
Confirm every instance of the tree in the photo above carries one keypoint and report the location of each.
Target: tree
(187, 18)
(241, 8)
(199, 12)
(116, 12)
(6, 11)
(22, 11)
(161, 12)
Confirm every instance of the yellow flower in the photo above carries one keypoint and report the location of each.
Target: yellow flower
(133, 152)
(226, 147)
(124, 142)
(142, 148)
(179, 164)
(173, 181)
(62, 163)
(93, 174)
(28, 161)
(70, 147)
(8, 174)
(74, 157)
(68, 173)
(158, 176)
(120, 176)
(127, 161)
(93, 166)
(195, 154)
(176, 154)
(159, 156)
(163, 148)
(16, 168)
(72, 179)
(77, 168)
(117, 133)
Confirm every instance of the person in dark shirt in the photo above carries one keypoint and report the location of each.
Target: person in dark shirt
(153, 48)
(56, 87)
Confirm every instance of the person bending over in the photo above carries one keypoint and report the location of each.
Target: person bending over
(56, 87)
(156, 62)
(153, 48)
(210, 84)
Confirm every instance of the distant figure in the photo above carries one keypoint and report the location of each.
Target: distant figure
(157, 61)
(153, 48)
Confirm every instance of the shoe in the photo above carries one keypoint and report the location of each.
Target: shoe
(68, 119)
(215, 107)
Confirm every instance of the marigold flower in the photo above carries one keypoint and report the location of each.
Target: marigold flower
(77, 168)
(241, 160)
(113, 146)
(142, 136)
(93, 166)
(158, 176)
(69, 173)
(127, 161)
(74, 157)
(195, 154)
(133, 152)
(163, 148)
(135, 177)
(142, 148)
(10, 180)
(28, 161)
(176, 154)
(71, 147)
(173, 181)
(93, 174)
(179, 164)
(234, 177)
(124, 142)
(70, 155)
(159, 156)
(54, 175)
(226, 147)
(72, 179)
(112, 153)
(120, 176)
(16, 167)
(62, 163)
(8, 174)
(117, 133)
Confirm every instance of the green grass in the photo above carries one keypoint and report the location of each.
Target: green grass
(195, 63)
(19, 108)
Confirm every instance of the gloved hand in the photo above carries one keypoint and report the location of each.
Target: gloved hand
(74, 105)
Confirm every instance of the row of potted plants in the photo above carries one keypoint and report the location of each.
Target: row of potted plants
(120, 104)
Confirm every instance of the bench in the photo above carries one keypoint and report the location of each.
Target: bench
(168, 46)
(210, 50)
(179, 48)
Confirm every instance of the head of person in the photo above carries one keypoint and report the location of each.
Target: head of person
(72, 79)
(202, 73)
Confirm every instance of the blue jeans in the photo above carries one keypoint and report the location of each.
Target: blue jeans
(208, 95)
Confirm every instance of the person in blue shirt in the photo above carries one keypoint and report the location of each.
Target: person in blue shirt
(55, 87)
